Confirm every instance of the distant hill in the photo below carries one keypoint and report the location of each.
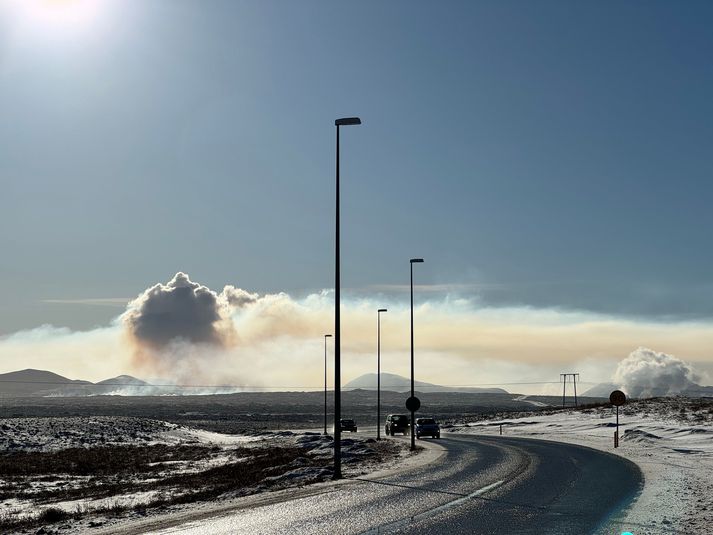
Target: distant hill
(602, 390)
(115, 384)
(123, 380)
(33, 383)
(398, 383)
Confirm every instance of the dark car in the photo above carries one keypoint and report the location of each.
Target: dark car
(347, 425)
(427, 427)
(396, 423)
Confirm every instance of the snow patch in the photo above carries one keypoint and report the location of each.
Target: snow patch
(664, 437)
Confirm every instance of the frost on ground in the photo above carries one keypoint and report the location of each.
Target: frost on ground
(62, 473)
(47, 434)
(670, 439)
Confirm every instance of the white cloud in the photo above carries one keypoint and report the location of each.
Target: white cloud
(646, 373)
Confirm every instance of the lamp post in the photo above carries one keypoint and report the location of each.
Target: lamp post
(378, 372)
(346, 121)
(325, 381)
(413, 413)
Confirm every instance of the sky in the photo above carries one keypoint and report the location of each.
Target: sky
(547, 160)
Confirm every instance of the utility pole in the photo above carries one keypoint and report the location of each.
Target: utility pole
(563, 378)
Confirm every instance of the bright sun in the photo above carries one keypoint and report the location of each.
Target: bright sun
(55, 15)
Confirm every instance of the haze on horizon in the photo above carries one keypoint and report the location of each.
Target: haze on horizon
(551, 163)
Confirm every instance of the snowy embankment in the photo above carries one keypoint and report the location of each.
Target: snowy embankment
(670, 439)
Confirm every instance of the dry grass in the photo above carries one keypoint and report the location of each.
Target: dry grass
(115, 470)
(99, 461)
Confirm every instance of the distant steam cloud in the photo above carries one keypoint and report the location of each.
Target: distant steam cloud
(237, 297)
(181, 310)
(174, 322)
(649, 373)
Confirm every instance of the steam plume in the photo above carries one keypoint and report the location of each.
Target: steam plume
(171, 324)
(649, 373)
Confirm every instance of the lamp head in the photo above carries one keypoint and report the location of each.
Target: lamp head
(347, 121)
(416, 260)
(382, 310)
(327, 335)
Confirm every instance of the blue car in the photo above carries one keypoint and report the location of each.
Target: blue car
(427, 427)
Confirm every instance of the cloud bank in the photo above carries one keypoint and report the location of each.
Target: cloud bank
(183, 332)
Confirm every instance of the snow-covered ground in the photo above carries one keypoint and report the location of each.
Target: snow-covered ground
(670, 439)
(51, 434)
(155, 463)
(530, 401)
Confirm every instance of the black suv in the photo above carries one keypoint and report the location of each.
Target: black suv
(427, 427)
(347, 425)
(396, 423)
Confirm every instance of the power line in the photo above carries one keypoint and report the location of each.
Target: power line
(176, 385)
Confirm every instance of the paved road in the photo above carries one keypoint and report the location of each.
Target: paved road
(480, 485)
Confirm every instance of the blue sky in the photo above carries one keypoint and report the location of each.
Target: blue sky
(538, 154)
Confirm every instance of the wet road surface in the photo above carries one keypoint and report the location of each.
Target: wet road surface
(480, 485)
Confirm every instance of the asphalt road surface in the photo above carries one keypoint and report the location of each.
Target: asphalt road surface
(483, 485)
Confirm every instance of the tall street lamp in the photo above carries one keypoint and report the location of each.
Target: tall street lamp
(413, 412)
(346, 121)
(325, 381)
(378, 372)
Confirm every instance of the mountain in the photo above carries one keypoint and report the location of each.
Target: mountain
(123, 380)
(116, 384)
(34, 383)
(398, 383)
(602, 390)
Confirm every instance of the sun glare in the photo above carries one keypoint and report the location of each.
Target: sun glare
(55, 16)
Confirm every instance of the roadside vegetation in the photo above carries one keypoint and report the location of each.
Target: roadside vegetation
(59, 488)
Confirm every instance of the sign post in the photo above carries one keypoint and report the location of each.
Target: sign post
(617, 398)
(413, 404)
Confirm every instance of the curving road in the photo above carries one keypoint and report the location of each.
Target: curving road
(480, 485)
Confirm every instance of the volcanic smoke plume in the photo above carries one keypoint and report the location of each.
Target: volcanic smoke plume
(647, 373)
(170, 323)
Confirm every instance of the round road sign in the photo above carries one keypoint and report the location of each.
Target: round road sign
(413, 404)
(617, 398)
